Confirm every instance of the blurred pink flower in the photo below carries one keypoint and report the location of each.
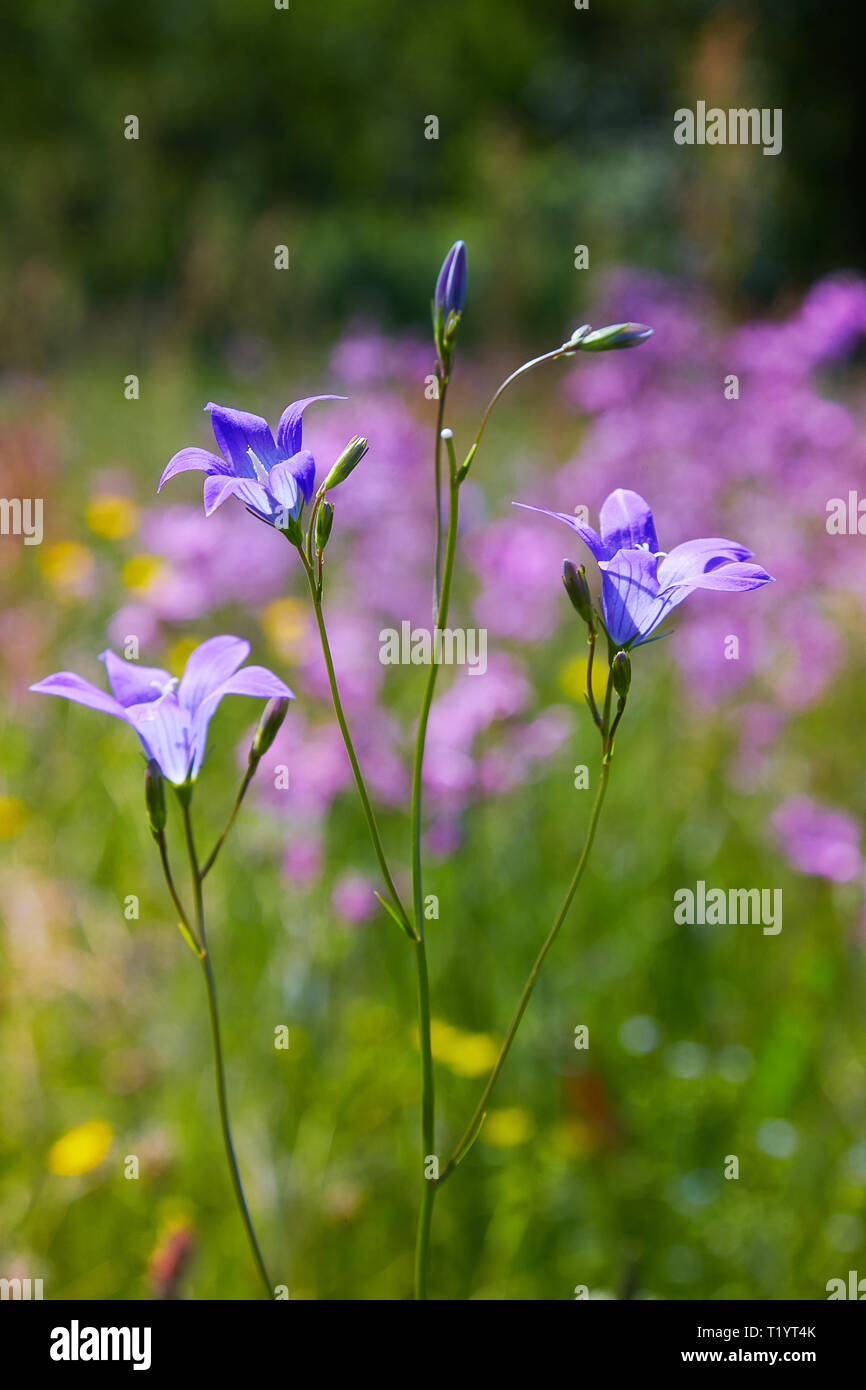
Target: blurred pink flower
(817, 840)
(353, 898)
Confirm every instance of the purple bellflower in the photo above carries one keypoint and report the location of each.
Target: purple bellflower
(640, 583)
(272, 478)
(170, 716)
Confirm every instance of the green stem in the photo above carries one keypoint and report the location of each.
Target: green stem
(183, 925)
(428, 1102)
(219, 1067)
(475, 1123)
(428, 1121)
(372, 827)
(211, 859)
(526, 367)
(437, 463)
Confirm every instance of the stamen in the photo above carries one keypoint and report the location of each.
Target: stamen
(261, 471)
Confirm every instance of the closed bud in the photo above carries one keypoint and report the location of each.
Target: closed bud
(577, 589)
(324, 522)
(621, 668)
(270, 724)
(154, 796)
(450, 292)
(348, 460)
(616, 335)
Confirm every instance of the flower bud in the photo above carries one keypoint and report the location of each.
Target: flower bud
(577, 337)
(577, 589)
(324, 522)
(450, 293)
(621, 668)
(348, 460)
(154, 796)
(616, 335)
(270, 724)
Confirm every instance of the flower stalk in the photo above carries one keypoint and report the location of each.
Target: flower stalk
(196, 877)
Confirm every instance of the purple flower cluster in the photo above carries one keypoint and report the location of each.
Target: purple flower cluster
(742, 430)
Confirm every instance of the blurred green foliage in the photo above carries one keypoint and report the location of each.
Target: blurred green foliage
(305, 127)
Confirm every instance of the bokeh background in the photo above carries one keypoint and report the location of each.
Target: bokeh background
(154, 258)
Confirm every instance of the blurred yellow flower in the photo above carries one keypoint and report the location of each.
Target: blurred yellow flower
(113, 517)
(467, 1054)
(284, 623)
(180, 652)
(572, 675)
(505, 1129)
(12, 816)
(81, 1149)
(141, 570)
(68, 567)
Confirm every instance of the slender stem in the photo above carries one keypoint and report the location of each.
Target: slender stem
(175, 896)
(428, 1121)
(428, 1094)
(219, 1067)
(424, 716)
(437, 462)
(475, 1123)
(211, 859)
(366, 805)
(590, 697)
(526, 367)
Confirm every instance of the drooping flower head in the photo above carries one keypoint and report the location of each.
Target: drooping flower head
(273, 478)
(640, 583)
(170, 716)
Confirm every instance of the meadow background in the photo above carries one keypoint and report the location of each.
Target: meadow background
(155, 258)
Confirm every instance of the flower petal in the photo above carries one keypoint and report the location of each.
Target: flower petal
(251, 680)
(193, 458)
(687, 562)
(626, 522)
(734, 578)
(236, 432)
(289, 433)
(208, 666)
(131, 683)
(253, 495)
(630, 595)
(284, 483)
(585, 531)
(165, 729)
(73, 687)
(257, 681)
